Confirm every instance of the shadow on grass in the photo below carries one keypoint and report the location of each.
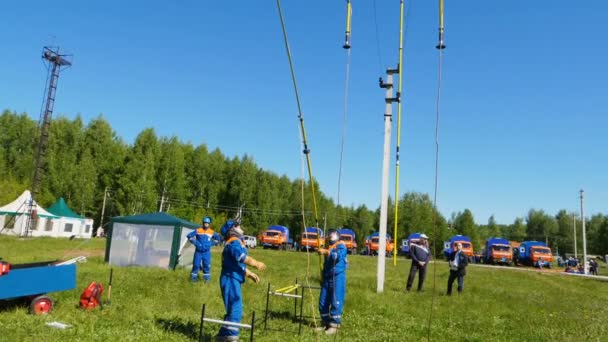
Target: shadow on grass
(186, 328)
(12, 304)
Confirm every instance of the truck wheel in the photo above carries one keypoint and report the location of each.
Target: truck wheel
(41, 305)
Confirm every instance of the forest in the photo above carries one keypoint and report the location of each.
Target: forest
(87, 162)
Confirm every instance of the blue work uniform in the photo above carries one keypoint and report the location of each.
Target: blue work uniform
(202, 239)
(333, 289)
(233, 275)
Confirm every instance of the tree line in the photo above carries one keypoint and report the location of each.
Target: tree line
(84, 162)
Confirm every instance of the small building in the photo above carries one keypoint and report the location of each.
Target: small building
(68, 223)
(155, 239)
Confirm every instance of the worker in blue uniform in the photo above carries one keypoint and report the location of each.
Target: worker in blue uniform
(202, 238)
(234, 271)
(333, 289)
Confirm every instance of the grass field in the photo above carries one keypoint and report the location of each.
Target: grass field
(150, 304)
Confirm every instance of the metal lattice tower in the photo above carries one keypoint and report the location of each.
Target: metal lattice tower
(57, 62)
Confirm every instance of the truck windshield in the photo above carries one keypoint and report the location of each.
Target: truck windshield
(501, 248)
(542, 250)
(271, 233)
(346, 237)
(309, 236)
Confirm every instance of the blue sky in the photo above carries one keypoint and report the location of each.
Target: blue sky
(523, 94)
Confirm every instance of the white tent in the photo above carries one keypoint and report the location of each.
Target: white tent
(64, 223)
(13, 217)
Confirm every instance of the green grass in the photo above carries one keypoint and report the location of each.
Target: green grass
(150, 304)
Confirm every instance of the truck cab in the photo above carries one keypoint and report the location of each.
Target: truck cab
(531, 252)
(498, 251)
(275, 237)
(348, 236)
(373, 243)
(312, 238)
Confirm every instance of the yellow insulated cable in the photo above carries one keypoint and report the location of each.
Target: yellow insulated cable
(400, 88)
(306, 150)
(349, 11)
(441, 45)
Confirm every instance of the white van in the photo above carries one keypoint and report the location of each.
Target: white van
(250, 241)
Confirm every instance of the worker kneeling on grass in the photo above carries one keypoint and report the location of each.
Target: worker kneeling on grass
(202, 238)
(234, 271)
(333, 289)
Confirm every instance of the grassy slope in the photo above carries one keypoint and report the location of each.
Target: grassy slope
(153, 304)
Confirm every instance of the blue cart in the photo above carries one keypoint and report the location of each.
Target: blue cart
(32, 282)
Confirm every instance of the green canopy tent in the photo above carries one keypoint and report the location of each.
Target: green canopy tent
(155, 239)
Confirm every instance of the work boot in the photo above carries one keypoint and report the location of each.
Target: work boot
(331, 330)
(321, 327)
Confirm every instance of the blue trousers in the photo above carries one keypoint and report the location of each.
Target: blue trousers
(201, 259)
(453, 276)
(331, 300)
(233, 302)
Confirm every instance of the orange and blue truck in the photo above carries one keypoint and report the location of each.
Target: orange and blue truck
(467, 246)
(312, 238)
(348, 236)
(532, 253)
(497, 251)
(373, 243)
(275, 237)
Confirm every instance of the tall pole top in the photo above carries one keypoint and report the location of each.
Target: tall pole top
(53, 56)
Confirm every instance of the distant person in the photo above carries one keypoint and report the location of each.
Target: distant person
(420, 254)
(593, 265)
(234, 272)
(540, 264)
(202, 238)
(458, 267)
(333, 288)
(100, 232)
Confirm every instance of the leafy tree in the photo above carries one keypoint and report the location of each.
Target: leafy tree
(517, 231)
(137, 185)
(539, 225)
(464, 224)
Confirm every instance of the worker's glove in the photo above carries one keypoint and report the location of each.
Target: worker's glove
(323, 251)
(253, 276)
(422, 263)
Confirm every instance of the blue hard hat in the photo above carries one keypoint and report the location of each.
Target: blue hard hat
(226, 227)
(207, 219)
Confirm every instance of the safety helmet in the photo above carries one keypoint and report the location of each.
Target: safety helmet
(227, 227)
(207, 219)
(333, 231)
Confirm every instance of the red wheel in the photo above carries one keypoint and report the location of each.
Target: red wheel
(41, 305)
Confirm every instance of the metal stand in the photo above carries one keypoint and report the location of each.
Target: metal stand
(301, 317)
(300, 289)
(251, 326)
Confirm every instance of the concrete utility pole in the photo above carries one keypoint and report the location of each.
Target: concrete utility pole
(388, 118)
(574, 225)
(162, 201)
(103, 207)
(584, 232)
